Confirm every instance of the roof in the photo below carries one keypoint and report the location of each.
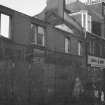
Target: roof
(94, 10)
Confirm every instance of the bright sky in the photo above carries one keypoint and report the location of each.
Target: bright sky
(29, 7)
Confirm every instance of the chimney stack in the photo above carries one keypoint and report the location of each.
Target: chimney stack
(56, 5)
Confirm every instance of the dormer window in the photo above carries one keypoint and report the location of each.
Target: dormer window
(86, 21)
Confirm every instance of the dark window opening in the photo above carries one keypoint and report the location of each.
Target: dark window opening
(96, 28)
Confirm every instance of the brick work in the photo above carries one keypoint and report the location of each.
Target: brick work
(36, 75)
(36, 83)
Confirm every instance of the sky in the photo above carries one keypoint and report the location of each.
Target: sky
(29, 7)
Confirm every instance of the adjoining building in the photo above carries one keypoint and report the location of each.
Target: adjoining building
(91, 17)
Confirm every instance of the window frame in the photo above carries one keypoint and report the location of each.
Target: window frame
(80, 48)
(92, 47)
(34, 27)
(9, 28)
(103, 51)
(68, 47)
(89, 23)
(43, 36)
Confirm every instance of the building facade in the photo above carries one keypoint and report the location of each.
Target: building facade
(92, 19)
(41, 61)
(56, 57)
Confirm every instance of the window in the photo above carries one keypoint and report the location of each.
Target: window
(79, 48)
(67, 45)
(103, 51)
(89, 24)
(5, 25)
(96, 28)
(86, 21)
(92, 47)
(97, 49)
(38, 35)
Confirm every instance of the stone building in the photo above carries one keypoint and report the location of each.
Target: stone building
(91, 17)
(41, 61)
